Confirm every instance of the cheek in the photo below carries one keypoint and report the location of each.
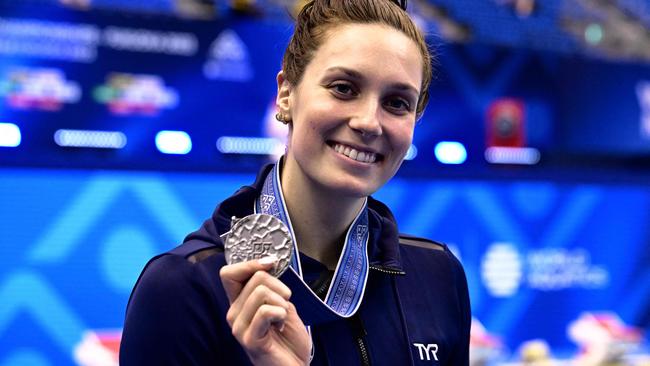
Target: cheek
(402, 136)
(303, 137)
(312, 117)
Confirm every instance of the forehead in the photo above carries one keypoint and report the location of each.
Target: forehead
(372, 50)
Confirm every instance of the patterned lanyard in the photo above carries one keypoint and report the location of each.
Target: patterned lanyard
(349, 282)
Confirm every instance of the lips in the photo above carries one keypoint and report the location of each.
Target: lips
(356, 154)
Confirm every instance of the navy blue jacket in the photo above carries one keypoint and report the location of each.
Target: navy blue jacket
(415, 309)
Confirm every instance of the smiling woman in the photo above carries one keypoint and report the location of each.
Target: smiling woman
(354, 80)
(358, 97)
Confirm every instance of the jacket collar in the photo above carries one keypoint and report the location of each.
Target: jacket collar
(383, 245)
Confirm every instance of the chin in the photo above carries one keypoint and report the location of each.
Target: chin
(352, 187)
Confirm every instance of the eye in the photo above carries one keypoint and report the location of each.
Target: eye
(343, 89)
(398, 105)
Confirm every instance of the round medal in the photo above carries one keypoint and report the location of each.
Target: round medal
(257, 236)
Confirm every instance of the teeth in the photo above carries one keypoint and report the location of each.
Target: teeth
(362, 156)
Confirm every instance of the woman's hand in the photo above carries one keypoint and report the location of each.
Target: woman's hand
(261, 317)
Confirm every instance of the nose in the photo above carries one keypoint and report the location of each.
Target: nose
(366, 121)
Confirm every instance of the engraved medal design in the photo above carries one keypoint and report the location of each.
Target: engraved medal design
(257, 236)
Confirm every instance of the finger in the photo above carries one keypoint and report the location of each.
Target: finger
(260, 296)
(293, 322)
(234, 276)
(258, 279)
(296, 333)
(265, 317)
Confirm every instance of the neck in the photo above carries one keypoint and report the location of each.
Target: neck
(320, 217)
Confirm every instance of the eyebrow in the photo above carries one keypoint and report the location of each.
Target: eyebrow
(357, 75)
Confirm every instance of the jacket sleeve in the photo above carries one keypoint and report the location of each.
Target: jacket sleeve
(173, 318)
(461, 358)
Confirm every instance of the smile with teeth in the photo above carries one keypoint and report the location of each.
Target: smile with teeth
(362, 156)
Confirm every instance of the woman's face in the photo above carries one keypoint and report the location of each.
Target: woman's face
(353, 112)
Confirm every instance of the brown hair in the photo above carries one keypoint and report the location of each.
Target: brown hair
(318, 16)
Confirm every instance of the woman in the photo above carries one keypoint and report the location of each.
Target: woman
(353, 83)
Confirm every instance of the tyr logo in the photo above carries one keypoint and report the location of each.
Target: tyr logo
(427, 350)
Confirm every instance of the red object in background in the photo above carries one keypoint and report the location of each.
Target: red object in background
(98, 348)
(110, 341)
(506, 123)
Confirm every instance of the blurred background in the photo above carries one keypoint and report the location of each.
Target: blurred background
(123, 123)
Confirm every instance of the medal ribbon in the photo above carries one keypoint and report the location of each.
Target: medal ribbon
(349, 282)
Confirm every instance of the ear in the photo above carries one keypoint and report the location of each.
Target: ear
(282, 100)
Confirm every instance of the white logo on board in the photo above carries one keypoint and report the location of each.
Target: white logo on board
(228, 59)
(502, 270)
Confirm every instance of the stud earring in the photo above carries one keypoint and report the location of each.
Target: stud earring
(281, 118)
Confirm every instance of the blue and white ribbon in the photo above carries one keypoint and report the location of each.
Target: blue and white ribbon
(349, 282)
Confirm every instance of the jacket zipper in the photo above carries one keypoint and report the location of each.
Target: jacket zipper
(361, 331)
(363, 350)
(388, 270)
(362, 346)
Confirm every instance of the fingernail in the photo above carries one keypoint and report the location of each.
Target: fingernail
(267, 260)
(281, 328)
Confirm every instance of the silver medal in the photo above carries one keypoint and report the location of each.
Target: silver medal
(257, 236)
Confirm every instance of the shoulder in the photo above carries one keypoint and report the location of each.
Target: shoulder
(180, 277)
(423, 249)
(433, 257)
(186, 277)
(187, 263)
(177, 295)
(430, 262)
(415, 241)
